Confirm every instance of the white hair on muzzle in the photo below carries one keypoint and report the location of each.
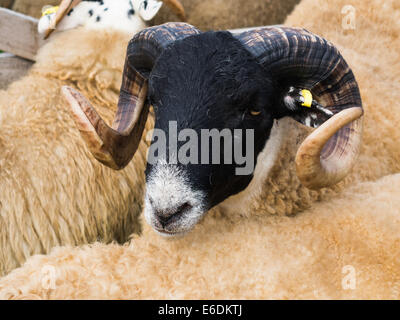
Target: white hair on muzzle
(168, 177)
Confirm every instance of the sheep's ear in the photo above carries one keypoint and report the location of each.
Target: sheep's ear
(44, 23)
(300, 105)
(149, 8)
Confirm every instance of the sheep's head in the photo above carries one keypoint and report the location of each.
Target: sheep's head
(127, 15)
(235, 85)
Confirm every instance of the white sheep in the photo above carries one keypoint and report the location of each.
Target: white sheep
(126, 15)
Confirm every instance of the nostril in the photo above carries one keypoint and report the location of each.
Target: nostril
(182, 208)
(170, 216)
(162, 218)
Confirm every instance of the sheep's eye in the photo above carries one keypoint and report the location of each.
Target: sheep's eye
(255, 112)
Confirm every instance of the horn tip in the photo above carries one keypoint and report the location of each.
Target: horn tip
(67, 92)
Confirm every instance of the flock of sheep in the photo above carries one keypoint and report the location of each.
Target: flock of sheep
(53, 194)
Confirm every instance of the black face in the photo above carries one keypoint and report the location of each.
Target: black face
(210, 81)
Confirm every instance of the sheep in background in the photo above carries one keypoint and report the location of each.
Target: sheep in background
(307, 256)
(230, 14)
(52, 192)
(130, 14)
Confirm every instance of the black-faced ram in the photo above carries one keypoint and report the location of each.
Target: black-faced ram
(216, 80)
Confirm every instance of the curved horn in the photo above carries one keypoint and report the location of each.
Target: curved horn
(115, 146)
(64, 8)
(331, 158)
(296, 57)
(177, 8)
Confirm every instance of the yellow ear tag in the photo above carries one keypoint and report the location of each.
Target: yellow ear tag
(307, 98)
(50, 10)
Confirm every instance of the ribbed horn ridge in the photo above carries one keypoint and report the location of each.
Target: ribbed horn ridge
(147, 45)
(296, 57)
(115, 146)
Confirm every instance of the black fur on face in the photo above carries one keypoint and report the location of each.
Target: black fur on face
(210, 81)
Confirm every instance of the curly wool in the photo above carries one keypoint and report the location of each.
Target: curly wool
(305, 257)
(53, 191)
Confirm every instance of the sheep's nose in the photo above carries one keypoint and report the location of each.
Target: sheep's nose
(169, 216)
